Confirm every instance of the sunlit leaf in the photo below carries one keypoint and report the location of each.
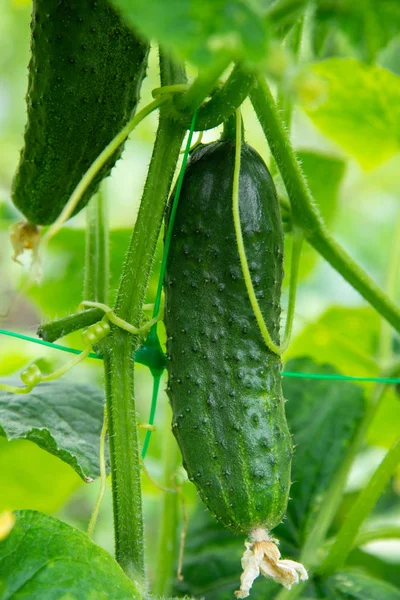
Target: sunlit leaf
(32, 478)
(324, 175)
(359, 109)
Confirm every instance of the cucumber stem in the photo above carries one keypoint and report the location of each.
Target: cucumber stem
(297, 243)
(222, 104)
(118, 356)
(305, 213)
(53, 331)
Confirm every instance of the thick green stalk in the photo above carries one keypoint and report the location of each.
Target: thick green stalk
(304, 211)
(118, 356)
(360, 510)
(168, 544)
(202, 85)
(222, 104)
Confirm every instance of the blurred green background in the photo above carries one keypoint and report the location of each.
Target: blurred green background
(357, 187)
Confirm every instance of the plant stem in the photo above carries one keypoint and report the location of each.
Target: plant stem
(118, 357)
(305, 213)
(297, 243)
(95, 286)
(222, 104)
(360, 511)
(380, 533)
(168, 545)
(202, 85)
(51, 332)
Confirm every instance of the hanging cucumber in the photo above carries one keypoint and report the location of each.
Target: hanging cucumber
(224, 383)
(85, 74)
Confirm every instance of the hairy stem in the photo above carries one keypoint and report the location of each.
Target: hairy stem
(118, 356)
(202, 86)
(305, 213)
(53, 331)
(223, 103)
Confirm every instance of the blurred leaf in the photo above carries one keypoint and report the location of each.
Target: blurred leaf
(367, 26)
(359, 109)
(344, 337)
(44, 559)
(385, 427)
(201, 30)
(324, 175)
(32, 478)
(61, 417)
(60, 290)
(375, 566)
(349, 585)
(347, 338)
(326, 412)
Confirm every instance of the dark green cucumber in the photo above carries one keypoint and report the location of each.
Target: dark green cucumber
(85, 74)
(224, 384)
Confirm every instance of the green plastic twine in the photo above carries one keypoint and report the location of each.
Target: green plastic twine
(292, 374)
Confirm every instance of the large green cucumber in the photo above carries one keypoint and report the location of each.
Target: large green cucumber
(85, 74)
(224, 384)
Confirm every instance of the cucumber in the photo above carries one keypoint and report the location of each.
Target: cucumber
(224, 384)
(85, 74)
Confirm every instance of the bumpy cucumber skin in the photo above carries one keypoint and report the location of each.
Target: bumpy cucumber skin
(85, 74)
(224, 384)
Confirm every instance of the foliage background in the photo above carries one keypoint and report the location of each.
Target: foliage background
(358, 189)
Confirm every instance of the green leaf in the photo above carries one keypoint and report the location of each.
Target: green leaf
(44, 559)
(62, 417)
(328, 413)
(359, 109)
(353, 585)
(200, 31)
(324, 175)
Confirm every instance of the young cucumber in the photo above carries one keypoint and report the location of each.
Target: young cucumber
(85, 74)
(224, 384)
